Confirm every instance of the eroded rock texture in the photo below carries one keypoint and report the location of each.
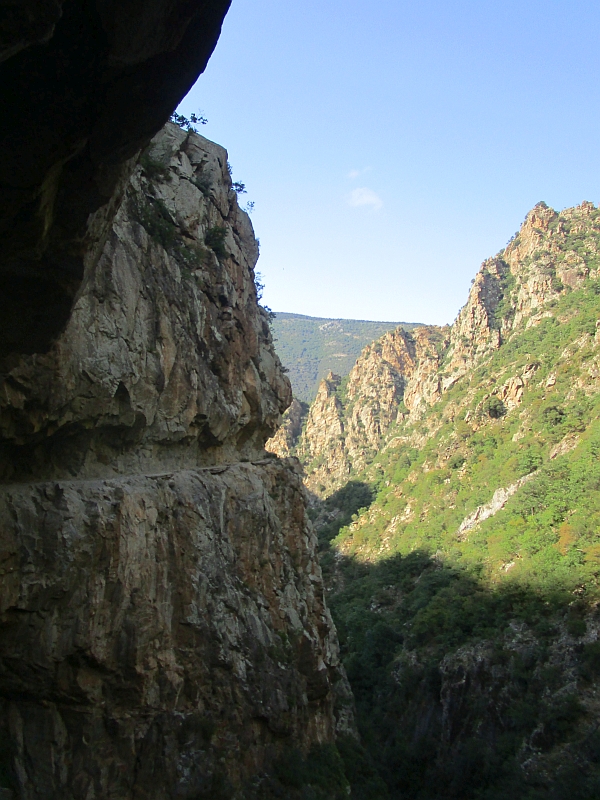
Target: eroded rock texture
(162, 636)
(163, 631)
(167, 358)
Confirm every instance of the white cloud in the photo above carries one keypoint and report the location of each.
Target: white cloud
(354, 173)
(365, 197)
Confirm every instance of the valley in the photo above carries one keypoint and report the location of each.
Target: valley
(454, 477)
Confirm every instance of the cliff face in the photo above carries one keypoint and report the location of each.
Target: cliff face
(166, 357)
(161, 636)
(401, 376)
(164, 630)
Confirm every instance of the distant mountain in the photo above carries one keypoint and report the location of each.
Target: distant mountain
(310, 347)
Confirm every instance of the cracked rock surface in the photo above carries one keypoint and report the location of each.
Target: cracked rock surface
(163, 629)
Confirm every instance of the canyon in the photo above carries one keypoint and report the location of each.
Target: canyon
(453, 480)
(210, 590)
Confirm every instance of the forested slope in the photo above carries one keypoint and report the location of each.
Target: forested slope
(462, 550)
(309, 347)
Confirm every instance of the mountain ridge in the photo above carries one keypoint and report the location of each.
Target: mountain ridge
(455, 494)
(309, 347)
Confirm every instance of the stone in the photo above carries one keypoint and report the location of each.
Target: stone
(83, 87)
(163, 626)
(161, 634)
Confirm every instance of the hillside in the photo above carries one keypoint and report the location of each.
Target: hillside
(309, 347)
(459, 528)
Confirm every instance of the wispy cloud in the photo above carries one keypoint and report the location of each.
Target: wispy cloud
(355, 173)
(365, 197)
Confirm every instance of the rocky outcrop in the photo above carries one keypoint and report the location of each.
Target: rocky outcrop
(400, 376)
(475, 331)
(84, 86)
(550, 254)
(283, 444)
(164, 631)
(321, 446)
(166, 359)
(389, 381)
(499, 499)
(394, 377)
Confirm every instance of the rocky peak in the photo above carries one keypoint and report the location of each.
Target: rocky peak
(551, 253)
(400, 375)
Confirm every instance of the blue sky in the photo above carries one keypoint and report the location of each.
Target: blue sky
(390, 147)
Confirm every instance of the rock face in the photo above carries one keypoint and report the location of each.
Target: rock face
(161, 636)
(288, 434)
(321, 446)
(395, 376)
(84, 86)
(400, 376)
(164, 632)
(550, 252)
(166, 359)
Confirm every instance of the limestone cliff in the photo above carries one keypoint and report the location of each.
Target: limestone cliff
(400, 376)
(164, 630)
(393, 378)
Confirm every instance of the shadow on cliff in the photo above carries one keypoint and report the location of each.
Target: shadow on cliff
(332, 514)
(465, 690)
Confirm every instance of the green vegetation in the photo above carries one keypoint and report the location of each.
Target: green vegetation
(471, 642)
(203, 183)
(215, 239)
(414, 631)
(153, 215)
(153, 168)
(189, 123)
(312, 346)
(155, 218)
(327, 772)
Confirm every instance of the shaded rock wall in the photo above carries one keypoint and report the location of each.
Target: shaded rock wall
(83, 86)
(161, 636)
(163, 629)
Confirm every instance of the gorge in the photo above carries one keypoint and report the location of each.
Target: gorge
(454, 487)
(163, 625)
(396, 598)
